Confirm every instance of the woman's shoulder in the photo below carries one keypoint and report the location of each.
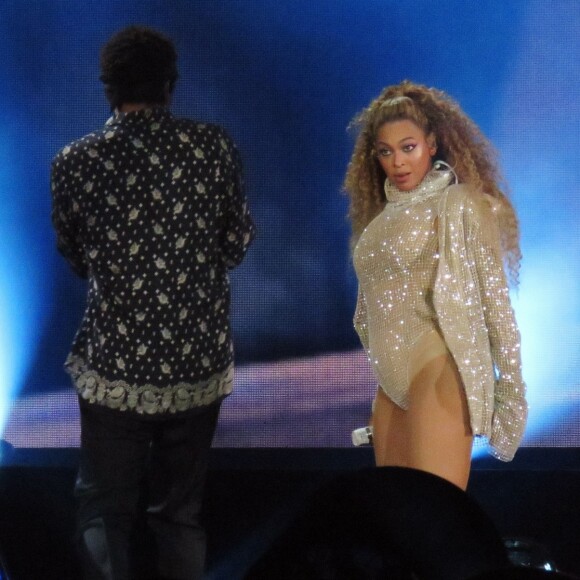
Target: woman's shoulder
(471, 200)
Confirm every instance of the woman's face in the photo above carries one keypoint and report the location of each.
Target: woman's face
(404, 152)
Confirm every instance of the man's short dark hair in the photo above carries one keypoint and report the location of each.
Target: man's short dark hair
(138, 65)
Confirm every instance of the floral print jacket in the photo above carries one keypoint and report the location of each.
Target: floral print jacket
(151, 210)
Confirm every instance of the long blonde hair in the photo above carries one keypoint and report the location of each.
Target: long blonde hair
(460, 143)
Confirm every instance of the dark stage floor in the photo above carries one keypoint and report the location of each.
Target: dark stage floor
(253, 496)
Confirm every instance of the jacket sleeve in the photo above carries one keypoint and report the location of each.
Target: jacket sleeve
(238, 229)
(65, 218)
(485, 261)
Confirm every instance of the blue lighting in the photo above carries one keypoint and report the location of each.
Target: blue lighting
(24, 283)
(285, 86)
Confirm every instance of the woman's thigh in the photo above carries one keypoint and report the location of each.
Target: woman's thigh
(438, 426)
(390, 437)
(434, 434)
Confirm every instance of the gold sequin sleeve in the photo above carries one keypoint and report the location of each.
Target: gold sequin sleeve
(485, 262)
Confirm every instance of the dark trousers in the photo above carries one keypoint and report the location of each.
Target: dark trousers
(139, 489)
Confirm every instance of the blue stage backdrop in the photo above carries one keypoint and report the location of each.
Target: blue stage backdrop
(285, 79)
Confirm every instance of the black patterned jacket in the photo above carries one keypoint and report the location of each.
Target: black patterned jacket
(151, 210)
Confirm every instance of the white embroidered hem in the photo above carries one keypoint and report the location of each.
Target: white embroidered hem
(147, 399)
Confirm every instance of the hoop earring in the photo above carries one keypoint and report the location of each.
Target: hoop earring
(442, 166)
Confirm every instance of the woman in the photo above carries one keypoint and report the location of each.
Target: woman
(432, 231)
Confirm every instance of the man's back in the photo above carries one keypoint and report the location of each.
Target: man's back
(151, 210)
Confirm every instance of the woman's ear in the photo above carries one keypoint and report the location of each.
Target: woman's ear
(432, 144)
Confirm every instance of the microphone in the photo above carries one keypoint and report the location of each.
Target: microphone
(362, 436)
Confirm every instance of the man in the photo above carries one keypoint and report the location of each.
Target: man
(150, 209)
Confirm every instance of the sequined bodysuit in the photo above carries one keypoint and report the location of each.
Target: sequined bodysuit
(431, 282)
(396, 261)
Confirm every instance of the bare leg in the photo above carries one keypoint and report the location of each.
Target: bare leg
(390, 437)
(438, 422)
(434, 433)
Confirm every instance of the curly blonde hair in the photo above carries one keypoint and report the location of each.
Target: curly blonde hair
(460, 143)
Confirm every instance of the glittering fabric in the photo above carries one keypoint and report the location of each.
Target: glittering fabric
(431, 263)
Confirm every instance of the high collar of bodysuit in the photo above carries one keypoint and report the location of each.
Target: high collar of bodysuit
(436, 180)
